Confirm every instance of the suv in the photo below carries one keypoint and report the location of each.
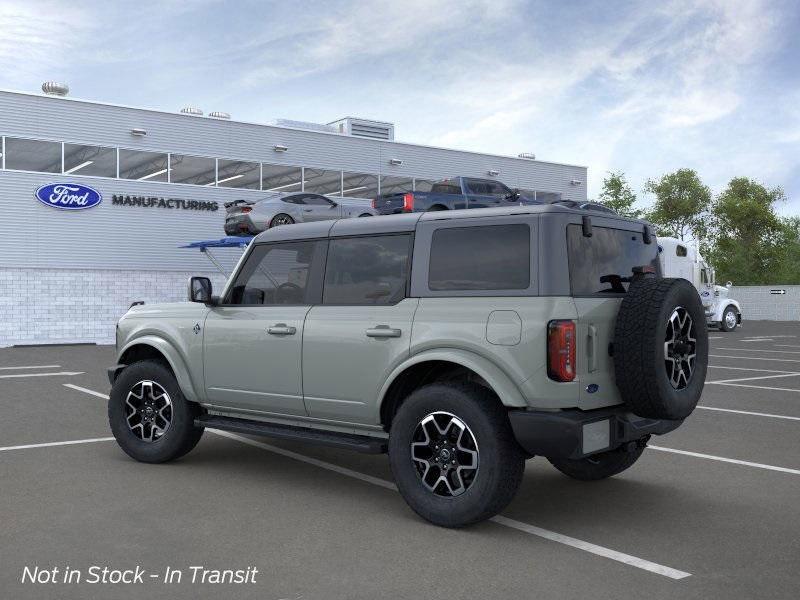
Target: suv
(461, 343)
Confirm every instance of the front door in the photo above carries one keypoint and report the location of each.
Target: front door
(319, 208)
(253, 339)
(362, 329)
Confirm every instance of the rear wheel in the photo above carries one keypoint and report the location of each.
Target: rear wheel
(281, 219)
(603, 465)
(729, 319)
(149, 417)
(453, 454)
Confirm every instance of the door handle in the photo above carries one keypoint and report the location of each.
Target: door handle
(281, 329)
(592, 349)
(383, 331)
(308, 209)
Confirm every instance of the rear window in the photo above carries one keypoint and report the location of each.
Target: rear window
(604, 262)
(492, 257)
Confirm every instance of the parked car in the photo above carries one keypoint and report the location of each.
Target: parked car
(460, 343)
(245, 217)
(452, 194)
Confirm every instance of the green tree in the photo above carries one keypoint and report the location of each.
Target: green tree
(681, 205)
(751, 244)
(618, 195)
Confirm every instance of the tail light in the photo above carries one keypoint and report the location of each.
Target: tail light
(561, 350)
(374, 202)
(246, 209)
(408, 202)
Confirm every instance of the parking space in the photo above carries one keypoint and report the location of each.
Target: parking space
(709, 512)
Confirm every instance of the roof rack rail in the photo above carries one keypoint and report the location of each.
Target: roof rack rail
(596, 206)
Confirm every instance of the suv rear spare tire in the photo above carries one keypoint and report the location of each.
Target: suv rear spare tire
(661, 348)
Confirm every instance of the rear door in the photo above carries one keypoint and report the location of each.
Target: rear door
(362, 329)
(600, 268)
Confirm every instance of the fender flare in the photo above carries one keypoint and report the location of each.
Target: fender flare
(498, 380)
(723, 305)
(176, 361)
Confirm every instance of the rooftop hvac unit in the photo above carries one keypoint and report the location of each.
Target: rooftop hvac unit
(215, 114)
(527, 155)
(53, 88)
(376, 130)
(192, 110)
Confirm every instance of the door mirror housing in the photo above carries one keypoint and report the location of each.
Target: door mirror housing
(729, 284)
(200, 290)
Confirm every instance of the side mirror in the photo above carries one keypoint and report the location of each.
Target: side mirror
(729, 284)
(333, 204)
(200, 290)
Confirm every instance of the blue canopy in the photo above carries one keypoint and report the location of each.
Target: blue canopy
(226, 242)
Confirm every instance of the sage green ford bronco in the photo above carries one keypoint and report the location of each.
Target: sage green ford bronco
(460, 342)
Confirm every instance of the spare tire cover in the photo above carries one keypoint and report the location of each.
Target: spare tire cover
(661, 348)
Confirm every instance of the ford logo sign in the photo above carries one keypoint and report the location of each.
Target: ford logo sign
(68, 196)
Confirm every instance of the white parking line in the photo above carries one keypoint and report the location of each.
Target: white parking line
(757, 340)
(749, 358)
(760, 387)
(727, 460)
(85, 390)
(749, 369)
(501, 520)
(49, 444)
(754, 378)
(760, 350)
(31, 367)
(531, 529)
(17, 375)
(787, 346)
(747, 412)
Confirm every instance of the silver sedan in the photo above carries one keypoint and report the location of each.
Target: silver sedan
(252, 217)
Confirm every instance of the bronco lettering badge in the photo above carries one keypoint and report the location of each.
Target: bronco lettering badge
(68, 196)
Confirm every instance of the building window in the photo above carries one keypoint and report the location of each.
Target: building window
(143, 166)
(238, 174)
(280, 178)
(196, 170)
(359, 185)
(98, 161)
(489, 268)
(325, 182)
(396, 185)
(367, 270)
(33, 155)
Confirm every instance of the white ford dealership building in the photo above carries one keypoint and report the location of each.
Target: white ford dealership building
(161, 180)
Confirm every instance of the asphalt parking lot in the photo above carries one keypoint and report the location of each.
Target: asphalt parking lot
(710, 511)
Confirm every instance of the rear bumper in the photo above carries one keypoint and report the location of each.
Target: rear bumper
(576, 433)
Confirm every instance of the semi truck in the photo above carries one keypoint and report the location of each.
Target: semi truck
(680, 259)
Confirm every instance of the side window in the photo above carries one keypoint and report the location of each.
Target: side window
(703, 276)
(367, 270)
(498, 189)
(441, 187)
(680, 250)
(477, 187)
(490, 257)
(296, 199)
(315, 200)
(278, 273)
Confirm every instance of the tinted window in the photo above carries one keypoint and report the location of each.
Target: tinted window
(321, 181)
(603, 263)
(680, 251)
(315, 200)
(197, 170)
(33, 155)
(367, 270)
(278, 178)
(144, 166)
(359, 185)
(275, 274)
(238, 174)
(493, 257)
(445, 187)
(478, 187)
(396, 185)
(90, 160)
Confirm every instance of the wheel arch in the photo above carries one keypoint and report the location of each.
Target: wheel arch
(440, 365)
(155, 348)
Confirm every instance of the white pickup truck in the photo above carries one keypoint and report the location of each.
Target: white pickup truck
(679, 259)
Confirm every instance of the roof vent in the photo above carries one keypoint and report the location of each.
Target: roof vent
(53, 88)
(192, 110)
(219, 115)
(527, 155)
(376, 130)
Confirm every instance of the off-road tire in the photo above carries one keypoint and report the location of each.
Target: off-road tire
(640, 367)
(501, 461)
(178, 439)
(723, 325)
(599, 466)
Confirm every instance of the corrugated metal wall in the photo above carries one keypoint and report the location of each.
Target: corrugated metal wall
(770, 303)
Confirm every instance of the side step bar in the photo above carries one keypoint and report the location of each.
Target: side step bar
(349, 441)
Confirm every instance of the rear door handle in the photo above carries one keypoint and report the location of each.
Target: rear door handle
(383, 331)
(281, 329)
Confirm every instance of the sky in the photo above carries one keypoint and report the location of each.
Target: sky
(639, 87)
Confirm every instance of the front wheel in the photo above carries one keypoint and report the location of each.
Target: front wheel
(600, 466)
(729, 319)
(149, 417)
(453, 454)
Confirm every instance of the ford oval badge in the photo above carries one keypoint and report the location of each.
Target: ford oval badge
(68, 196)
(592, 388)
